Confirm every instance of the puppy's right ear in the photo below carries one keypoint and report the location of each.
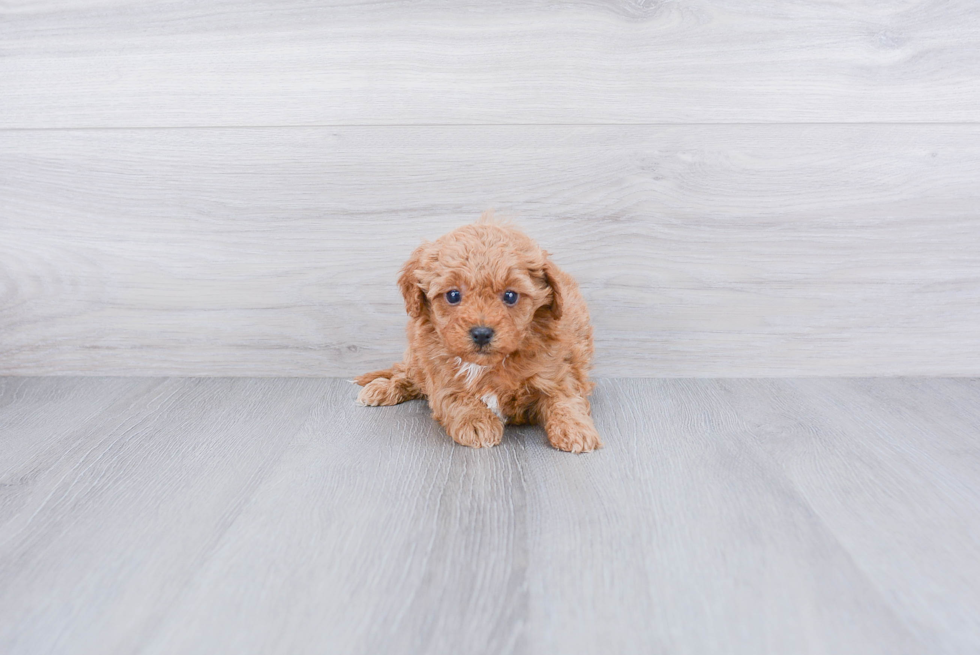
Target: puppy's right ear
(410, 285)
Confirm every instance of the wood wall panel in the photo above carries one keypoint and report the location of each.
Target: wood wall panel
(235, 63)
(702, 250)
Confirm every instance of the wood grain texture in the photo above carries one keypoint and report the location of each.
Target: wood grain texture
(149, 64)
(915, 472)
(702, 250)
(141, 492)
(731, 516)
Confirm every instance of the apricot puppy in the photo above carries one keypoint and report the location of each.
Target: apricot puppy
(497, 334)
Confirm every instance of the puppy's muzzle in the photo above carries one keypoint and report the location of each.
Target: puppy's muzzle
(481, 335)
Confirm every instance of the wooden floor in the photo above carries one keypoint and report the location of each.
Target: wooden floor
(175, 515)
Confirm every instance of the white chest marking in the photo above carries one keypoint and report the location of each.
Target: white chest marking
(490, 401)
(470, 370)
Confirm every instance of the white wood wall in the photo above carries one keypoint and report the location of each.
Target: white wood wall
(742, 188)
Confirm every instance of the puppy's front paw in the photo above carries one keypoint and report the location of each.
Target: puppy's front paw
(573, 434)
(477, 430)
(379, 391)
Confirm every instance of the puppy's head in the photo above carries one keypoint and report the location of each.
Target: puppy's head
(483, 288)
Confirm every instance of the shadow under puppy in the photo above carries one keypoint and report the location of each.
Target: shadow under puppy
(497, 334)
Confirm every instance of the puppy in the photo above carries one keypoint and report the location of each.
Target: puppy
(497, 334)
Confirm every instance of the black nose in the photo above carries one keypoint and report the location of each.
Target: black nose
(481, 335)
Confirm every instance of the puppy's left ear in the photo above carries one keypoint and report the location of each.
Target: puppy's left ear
(552, 277)
(408, 282)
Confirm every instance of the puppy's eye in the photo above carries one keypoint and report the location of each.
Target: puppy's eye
(453, 296)
(510, 297)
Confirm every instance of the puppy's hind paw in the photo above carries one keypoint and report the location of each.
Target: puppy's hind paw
(379, 391)
(373, 375)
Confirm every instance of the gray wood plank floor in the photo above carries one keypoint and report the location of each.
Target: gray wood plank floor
(172, 515)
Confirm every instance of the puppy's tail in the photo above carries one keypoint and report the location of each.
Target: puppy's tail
(374, 375)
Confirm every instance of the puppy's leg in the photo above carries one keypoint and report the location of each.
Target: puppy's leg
(467, 420)
(373, 375)
(568, 423)
(388, 387)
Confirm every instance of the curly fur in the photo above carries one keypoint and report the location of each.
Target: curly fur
(534, 370)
